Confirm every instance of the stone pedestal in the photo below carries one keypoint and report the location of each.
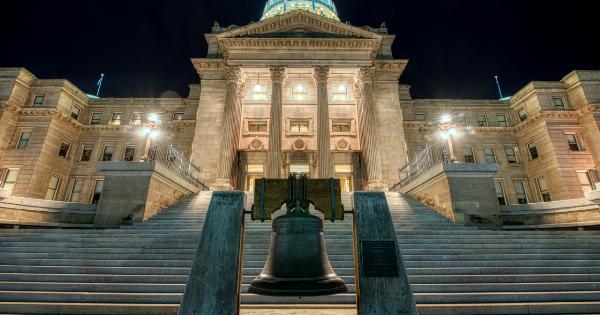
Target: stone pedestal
(382, 284)
(214, 284)
(134, 192)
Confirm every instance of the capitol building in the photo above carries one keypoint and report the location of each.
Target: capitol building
(301, 92)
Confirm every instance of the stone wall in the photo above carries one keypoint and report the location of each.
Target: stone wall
(549, 215)
(19, 211)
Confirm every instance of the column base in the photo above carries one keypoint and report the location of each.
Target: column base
(376, 185)
(221, 185)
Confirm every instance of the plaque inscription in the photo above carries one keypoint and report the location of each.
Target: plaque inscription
(379, 259)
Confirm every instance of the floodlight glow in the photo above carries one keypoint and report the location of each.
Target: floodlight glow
(257, 88)
(154, 134)
(445, 119)
(341, 88)
(299, 88)
(444, 135)
(145, 131)
(153, 118)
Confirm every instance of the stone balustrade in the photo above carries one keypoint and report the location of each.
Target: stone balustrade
(20, 211)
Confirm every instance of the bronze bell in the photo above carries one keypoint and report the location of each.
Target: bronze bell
(297, 264)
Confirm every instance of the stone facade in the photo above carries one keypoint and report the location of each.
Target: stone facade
(342, 113)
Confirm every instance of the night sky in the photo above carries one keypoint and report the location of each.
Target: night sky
(455, 47)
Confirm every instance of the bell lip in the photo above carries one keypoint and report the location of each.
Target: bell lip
(284, 286)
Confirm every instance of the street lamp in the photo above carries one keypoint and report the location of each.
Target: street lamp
(151, 130)
(447, 129)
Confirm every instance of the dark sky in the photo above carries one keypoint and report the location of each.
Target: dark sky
(454, 46)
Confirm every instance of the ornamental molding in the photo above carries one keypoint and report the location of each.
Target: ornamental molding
(50, 112)
(299, 19)
(554, 115)
(321, 74)
(595, 107)
(210, 68)
(115, 128)
(9, 107)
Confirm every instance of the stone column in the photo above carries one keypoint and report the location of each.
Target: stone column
(231, 128)
(367, 122)
(274, 154)
(321, 75)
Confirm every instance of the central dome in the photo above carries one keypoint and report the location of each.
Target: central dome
(324, 8)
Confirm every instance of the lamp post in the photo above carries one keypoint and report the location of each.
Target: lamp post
(446, 130)
(151, 131)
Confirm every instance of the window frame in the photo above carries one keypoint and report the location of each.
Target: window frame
(522, 118)
(95, 190)
(178, 116)
(79, 110)
(545, 195)
(524, 185)
(89, 158)
(589, 179)
(19, 141)
(5, 178)
(35, 104)
(250, 123)
(485, 155)
(60, 148)
(514, 150)
(113, 120)
(563, 105)
(92, 121)
(103, 153)
(531, 151)
(296, 93)
(133, 120)
(577, 144)
(337, 96)
(421, 114)
(504, 201)
(472, 155)
(72, 190)
(483, 123)
(56, 189)
(253, 94)
(499, 122)
(131, 146)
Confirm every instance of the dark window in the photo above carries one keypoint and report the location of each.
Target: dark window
(520, 191)
(533, 152)
(107, 153)
(502, 121)
(522, 114)
(573, 143)
(75, 112)
(96, 119)
(24, 140)
(500, 193)
(64, 149)
(86, 153)
(481, 120)
(97, 191)
(38, 101)
(129, 154)
(511, 155)
(178, 116)
(137, 118)
(420, 117)
(469, 157)
(558, 103)
(490, 155)
(460, 120)
(116, 118)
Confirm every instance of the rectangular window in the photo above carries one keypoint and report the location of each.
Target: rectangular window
(558, 102)
(522, 114)
(586, 181)
(24, 140)
(257, 126)
(573, 143)
(178, 115)
(75, 112)
(343, 168)
(96, 119)
(107, 153)
(38, 101)
(501, 120)
(86, 153)
(137, 118)
(299, 92)
(129, 154)
(468, 154)
(64, 149)
(533, 152)
(53, 187)
(340, 127)
(543, 189)
(10, 180)
(299, 127)
(260, 92)
(520, 191)
(500, 193)
(511, 155)
(76, 190)
(116, 118)
(420, 117)
(255, 168)
(299, 168)
(97, 191)
(460, 120)
(490, 155)
(340, 93)
(481, 120)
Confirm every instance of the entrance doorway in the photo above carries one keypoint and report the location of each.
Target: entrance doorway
(343, 172)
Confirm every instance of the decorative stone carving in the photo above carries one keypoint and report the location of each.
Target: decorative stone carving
(299, 145)
(342, 145)
(256, 144)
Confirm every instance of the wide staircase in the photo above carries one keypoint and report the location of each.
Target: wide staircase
(142, 269)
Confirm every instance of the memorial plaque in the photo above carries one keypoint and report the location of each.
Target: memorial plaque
(379, 259)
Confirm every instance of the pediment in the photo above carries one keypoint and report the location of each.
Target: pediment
(299, 24)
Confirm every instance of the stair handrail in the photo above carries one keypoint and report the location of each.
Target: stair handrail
(425, 160)
(174, 160)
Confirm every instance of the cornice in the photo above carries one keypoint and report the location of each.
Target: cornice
(9, 107)
(297, 18)
(554, 115)
(210, 68)
(49, 112)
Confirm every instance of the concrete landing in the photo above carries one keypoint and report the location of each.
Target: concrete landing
(292, 309)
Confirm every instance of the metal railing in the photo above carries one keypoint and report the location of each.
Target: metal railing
(427, 159)
(174, 160)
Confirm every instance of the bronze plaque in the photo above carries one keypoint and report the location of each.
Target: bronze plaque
(379, 259)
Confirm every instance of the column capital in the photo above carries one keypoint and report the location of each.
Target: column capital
(235, 75)
(241, 90)
(278, 74)
(321, 74)
(364, 75)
